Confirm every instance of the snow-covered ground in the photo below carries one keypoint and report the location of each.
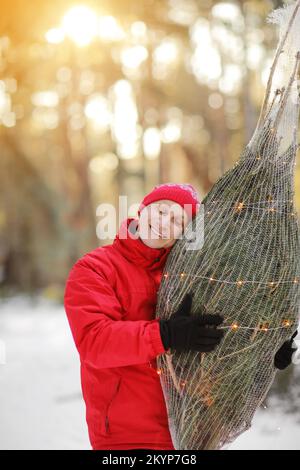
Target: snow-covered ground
(41, 405)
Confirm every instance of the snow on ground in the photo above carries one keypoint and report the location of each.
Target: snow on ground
(41, 406)
(40, 398)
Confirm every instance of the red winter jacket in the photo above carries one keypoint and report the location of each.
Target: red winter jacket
(110, 300)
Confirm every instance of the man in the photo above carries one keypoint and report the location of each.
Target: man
(110, 301)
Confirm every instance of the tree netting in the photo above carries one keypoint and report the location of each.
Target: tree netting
(245, 267)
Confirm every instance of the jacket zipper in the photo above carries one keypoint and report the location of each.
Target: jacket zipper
(107, 409)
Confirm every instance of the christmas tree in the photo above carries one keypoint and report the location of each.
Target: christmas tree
(246, 267)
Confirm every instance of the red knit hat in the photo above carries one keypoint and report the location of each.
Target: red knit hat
(184, 194)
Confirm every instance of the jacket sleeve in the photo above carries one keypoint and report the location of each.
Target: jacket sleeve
(102, 338)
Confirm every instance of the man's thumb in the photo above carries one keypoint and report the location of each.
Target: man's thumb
(185, 306)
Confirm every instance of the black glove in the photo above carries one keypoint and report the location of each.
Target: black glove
(183, 332)
(283, 357)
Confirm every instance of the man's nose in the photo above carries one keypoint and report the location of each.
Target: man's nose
(164, 219)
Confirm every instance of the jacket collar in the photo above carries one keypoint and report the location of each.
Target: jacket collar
(130, 245)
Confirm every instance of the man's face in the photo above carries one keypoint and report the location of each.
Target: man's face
(162, 223)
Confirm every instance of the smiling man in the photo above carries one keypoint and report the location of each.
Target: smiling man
(110, 301)
(161, 223)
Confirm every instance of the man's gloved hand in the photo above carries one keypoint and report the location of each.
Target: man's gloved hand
(184, 332)
(283, 357)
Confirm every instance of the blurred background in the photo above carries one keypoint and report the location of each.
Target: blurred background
(100, 99)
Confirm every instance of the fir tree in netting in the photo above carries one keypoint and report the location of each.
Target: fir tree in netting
(246, 267)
